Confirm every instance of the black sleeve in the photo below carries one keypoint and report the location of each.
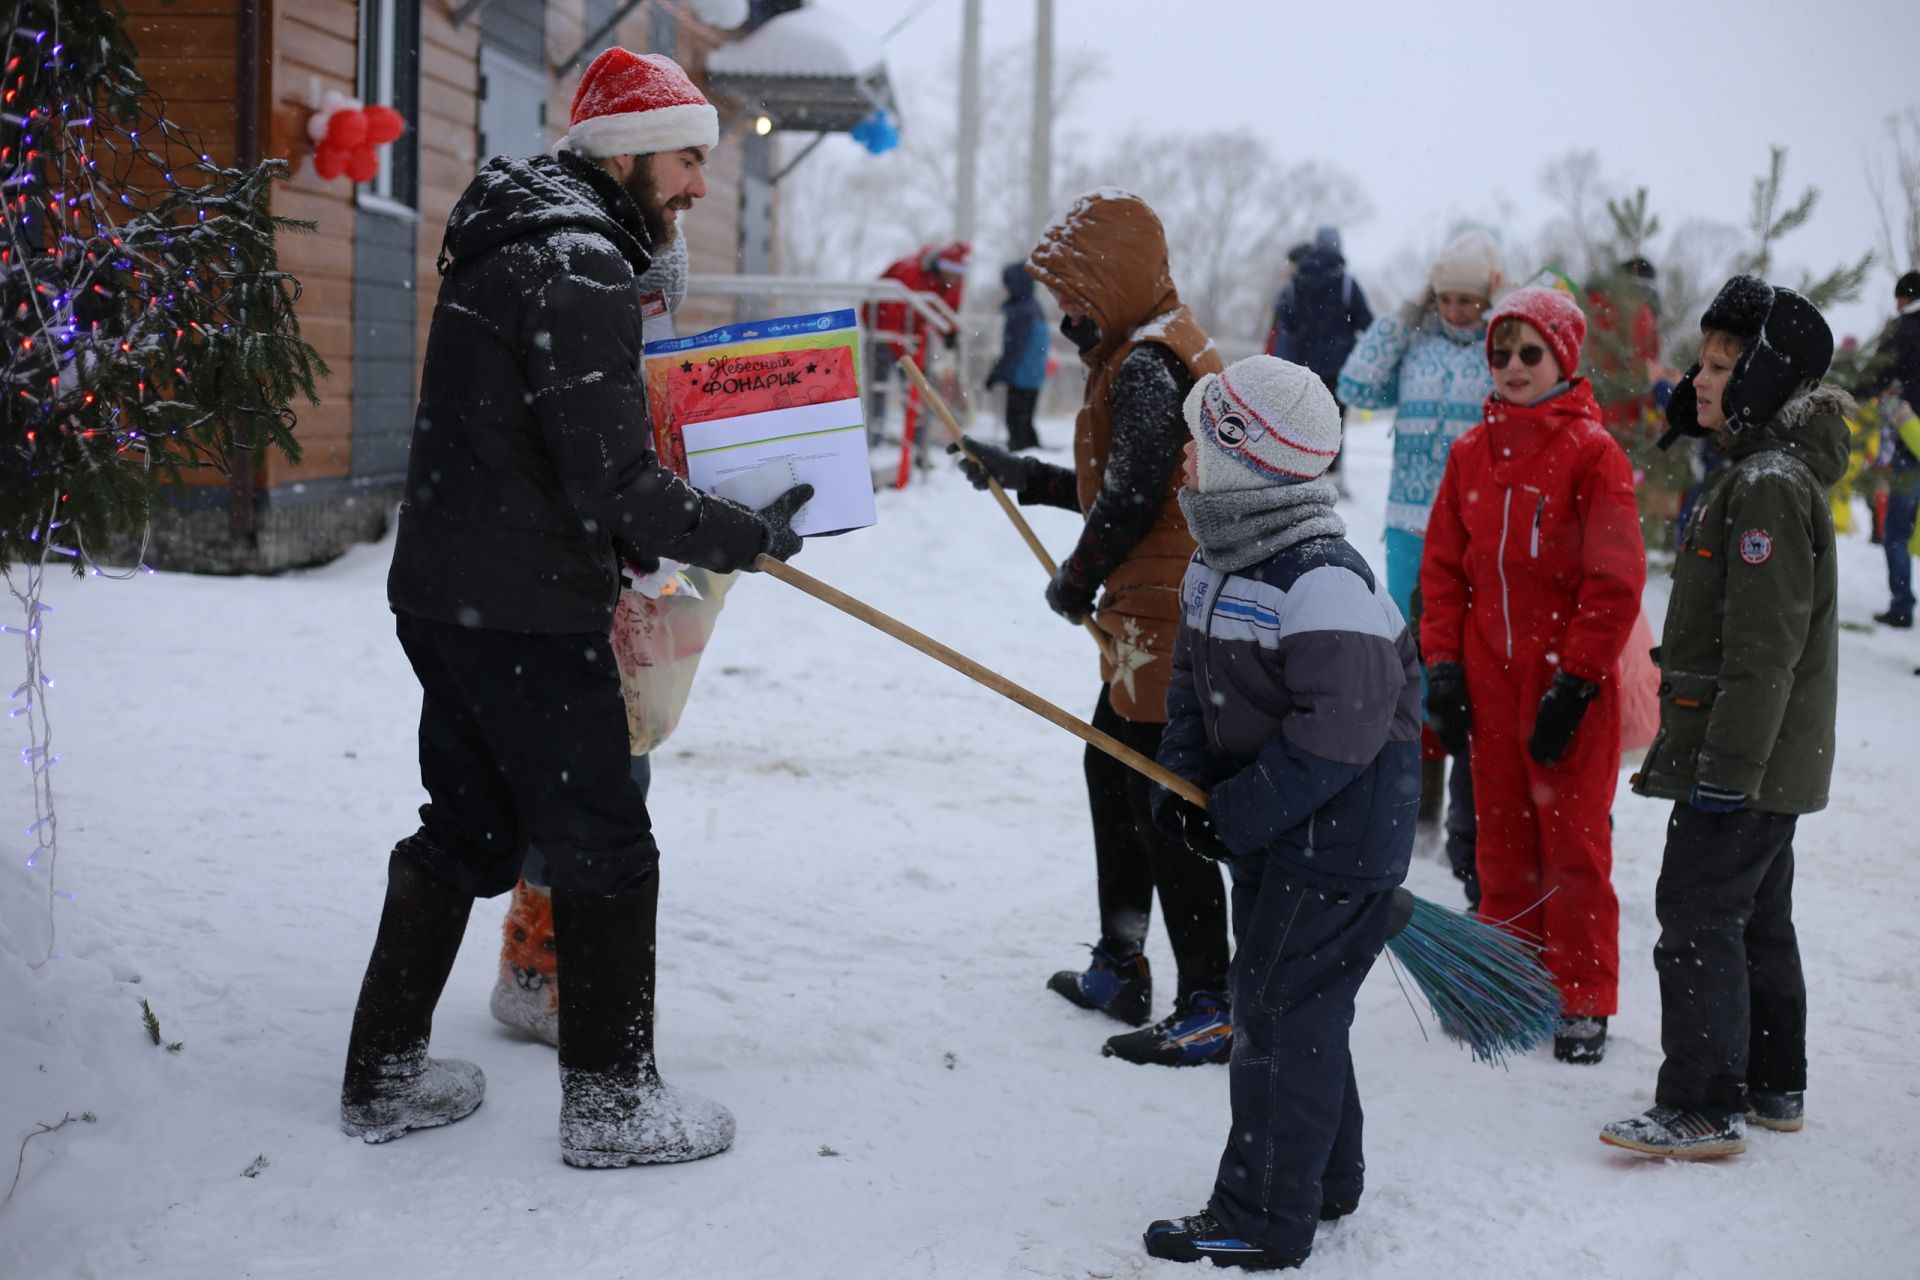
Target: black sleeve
(581, 333)
(1050, 486)
(1149, 430)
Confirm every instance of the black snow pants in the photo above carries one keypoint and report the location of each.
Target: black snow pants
(1462, 828)
(1733, 1003)
(1301, 953)
(1020, 406)
(1133, 857)
(523, 738)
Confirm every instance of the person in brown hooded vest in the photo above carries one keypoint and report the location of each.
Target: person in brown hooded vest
(1105, 262)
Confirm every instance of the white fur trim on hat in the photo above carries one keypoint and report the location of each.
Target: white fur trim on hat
(641, 133)
(1264, 421)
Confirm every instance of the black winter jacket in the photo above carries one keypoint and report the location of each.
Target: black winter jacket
(531, 458)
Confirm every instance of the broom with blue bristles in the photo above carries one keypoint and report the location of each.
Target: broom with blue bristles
(1487, 988)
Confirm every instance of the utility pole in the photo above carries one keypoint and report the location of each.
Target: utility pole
(1040, 151)
(966, 178)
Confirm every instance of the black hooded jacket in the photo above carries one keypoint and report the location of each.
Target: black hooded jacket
(531, 458)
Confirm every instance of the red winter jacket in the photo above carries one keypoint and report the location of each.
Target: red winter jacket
(1534, 541)
(917, 273)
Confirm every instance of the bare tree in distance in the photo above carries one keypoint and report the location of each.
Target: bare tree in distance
(1896, 198)
(865, 211)
(1231, 209)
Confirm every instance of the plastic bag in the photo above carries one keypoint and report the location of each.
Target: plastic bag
(657, 643)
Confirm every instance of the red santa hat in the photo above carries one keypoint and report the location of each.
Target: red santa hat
(954, 257)
(1554, 313)
(636, 104)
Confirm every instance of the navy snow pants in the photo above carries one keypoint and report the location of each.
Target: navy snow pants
(1300, 955)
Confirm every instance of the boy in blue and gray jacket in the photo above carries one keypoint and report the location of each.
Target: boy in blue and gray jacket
(1295, 702)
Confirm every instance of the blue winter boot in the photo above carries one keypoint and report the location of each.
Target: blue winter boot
(1201, 1236)
(1197, 1032)
(1119, 986)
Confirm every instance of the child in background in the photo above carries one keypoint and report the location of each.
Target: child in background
(1749, 687)
(1531, 584)
(1295, 698)
(1022, 365)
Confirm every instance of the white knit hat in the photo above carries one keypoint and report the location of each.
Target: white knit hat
(1264, 421)
(1471, 264)
(636, 104)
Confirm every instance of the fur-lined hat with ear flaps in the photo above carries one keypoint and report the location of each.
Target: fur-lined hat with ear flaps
(1785, 343)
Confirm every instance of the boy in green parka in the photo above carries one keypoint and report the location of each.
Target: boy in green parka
(1749, 665)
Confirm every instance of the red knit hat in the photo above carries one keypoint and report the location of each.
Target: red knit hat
(954, 257)
(635, 104)
(1554, 313)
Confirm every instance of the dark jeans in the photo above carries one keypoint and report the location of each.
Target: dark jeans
(523, 738)
(1301, 953)
(1020, 406)
(1332, 383)
(1901, 511)
(1133, 857)
(1462, 828)
(1733, 1003)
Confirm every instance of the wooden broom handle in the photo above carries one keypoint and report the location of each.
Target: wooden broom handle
(932, 397)
(992, 679)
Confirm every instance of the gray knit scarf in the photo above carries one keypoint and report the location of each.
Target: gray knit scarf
(1245, 526)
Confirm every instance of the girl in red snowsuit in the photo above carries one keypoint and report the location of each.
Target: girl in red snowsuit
(1531, 583)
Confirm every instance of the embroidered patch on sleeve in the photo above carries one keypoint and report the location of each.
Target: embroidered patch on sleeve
(1756, 546)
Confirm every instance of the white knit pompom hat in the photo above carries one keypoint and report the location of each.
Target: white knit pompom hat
(1470, 264)
(1264, 421)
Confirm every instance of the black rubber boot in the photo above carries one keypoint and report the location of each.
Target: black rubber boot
(614, 1108)
(391, 1085)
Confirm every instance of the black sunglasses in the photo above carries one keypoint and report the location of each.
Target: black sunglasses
(1530, 355)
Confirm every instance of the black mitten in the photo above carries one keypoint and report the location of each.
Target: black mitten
(1196, 830)
(1562, 707)
(1012, 470)
(782, 542)
(1447, 709)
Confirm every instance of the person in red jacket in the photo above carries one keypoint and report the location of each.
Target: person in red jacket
(1531, 582)
(937, 269)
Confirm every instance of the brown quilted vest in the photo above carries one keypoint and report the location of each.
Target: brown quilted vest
(1109, 254)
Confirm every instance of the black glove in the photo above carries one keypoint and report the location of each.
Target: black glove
(1068, 598)
(1447, 709)
(994, 378)
(1194, 828)
(1561, 708)
(782, 542)
(952, 340)
(1012, 470)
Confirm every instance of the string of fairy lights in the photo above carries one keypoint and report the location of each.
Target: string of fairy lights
(148, 330)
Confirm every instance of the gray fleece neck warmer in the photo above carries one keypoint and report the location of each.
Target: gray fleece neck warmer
(1242, 527)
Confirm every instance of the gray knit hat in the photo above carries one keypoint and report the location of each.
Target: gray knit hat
(1264, 421)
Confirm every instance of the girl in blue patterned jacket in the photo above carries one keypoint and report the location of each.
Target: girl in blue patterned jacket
(1295, 701)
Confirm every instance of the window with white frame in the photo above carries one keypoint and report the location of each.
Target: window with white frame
(390, 75)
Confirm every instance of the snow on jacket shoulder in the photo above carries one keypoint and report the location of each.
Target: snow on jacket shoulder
(1295, 696)
(1534, 544)
(531, 456)
(1437, 381)
(1749, 675)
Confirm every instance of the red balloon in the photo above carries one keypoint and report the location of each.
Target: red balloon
(362, 164)
(329, 161)
(347, 128)
(384, 124)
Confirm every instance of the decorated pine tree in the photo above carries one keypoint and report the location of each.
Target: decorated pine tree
(148, 329)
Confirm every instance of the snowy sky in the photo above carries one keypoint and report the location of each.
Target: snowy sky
(1451, 110)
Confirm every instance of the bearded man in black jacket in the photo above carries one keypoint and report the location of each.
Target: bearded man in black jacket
(530, 481)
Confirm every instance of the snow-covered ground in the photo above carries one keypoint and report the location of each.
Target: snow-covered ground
(870, 868)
